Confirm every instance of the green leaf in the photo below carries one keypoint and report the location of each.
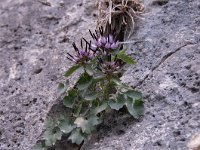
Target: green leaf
(62, 87)
(76, 136)
(71, 70)
(51, 136)
(99, 109)
(91, 123)
(118, 103)
(89, 70)
(84, 81)
(135, 95)
(91, 96)
(69, 100)
(99, 78)
(125, 58)
(139, 106)
(93, 120)
(65, 126)
(135, 108)
(116, 81)
(87, 125)
(77, 110)
(51, 123)
(39, 146)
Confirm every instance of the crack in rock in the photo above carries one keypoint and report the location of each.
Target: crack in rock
(163, 59)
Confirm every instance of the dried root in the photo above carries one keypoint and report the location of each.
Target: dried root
(120, 15)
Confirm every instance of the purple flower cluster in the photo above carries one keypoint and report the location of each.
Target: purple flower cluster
(104, 42)
(107, 42)
(110, 66)
(102, 48)
(82, 56)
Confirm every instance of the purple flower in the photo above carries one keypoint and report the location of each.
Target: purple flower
(110, 66)
(82, 55)
(104, 42)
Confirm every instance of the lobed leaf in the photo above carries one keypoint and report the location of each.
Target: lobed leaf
(99, 109)
(77, 136)
(84, 81)
(62, 87)
(51, 123)
(69, 100)
(118, 103)
(39, 146)
(87, 125)
(135, 95)
(135, 107)
(65, 126)
(51, 136)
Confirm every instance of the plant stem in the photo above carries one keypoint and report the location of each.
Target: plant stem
(106, 88)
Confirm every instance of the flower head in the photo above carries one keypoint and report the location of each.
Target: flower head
(110, 66)
(82, 55)
(104, 42)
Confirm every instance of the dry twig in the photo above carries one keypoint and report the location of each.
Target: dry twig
(120, 14)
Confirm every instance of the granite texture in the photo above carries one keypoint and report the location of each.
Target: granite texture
(34, 39)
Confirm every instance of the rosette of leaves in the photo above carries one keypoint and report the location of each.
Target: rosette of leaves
(97, 90)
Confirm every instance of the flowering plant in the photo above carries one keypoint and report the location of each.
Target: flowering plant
(97, 90)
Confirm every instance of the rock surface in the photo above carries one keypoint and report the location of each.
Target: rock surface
(34, 39)
(168, 74)
(194, 143)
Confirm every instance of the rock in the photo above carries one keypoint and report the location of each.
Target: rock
(34, 39)
(194, 143)
(168, 74)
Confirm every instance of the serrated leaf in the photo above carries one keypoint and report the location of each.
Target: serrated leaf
(135, 108)
(71, 70)
(99, 109)
(84, 81)
(125, 58)
(65, 126)
(69, 100)
(76, 136)
(118, 103)
(62, 87)
(135, 95)
(51, 136)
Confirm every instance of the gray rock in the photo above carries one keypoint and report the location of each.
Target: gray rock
(194, 143)
(168, 74)
(34, 39)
